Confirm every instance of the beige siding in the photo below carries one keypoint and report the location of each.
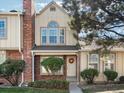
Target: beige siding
(12, 39)
(59, 16)
(83, 61)
(119, 64)
(21, 29)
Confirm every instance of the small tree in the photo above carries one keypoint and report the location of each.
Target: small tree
(110, 75)
(11, 70)
(89, 75)
(52, 64)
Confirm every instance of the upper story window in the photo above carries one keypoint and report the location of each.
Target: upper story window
(53, 34)
(52, 8)
(53, 24)
(2, 28)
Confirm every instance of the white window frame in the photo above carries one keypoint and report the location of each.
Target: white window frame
(2, 56)
(93, 63)
(5, 28)
(53, 35)
(48, 35)
(61, 72)
(110, 61)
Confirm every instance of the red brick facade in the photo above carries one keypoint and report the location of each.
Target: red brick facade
(13, 54)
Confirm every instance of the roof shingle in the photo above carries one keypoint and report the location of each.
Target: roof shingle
(64, 47)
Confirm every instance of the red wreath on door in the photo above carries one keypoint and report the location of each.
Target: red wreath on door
(71, 60)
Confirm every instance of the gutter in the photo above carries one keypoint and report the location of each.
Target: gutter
(56, 51)
(22, 56)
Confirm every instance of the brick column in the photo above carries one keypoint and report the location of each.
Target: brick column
(28, 38)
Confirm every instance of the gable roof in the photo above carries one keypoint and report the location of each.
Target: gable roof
(50, 4)
(10, 13)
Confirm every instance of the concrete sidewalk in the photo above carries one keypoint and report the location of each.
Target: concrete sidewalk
(73, 88)
(114, 91)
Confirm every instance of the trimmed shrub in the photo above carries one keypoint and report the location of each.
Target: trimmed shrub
(89, 75)
(121, 79)
(110, 75)
(11, 70)
(53, 65)
(50, 84)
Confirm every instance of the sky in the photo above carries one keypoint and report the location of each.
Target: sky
(7, 5)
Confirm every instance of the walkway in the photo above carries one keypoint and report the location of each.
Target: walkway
(115, 91)
(73, 88)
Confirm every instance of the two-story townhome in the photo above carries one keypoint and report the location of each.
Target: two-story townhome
(10, 35)
(34, 37)
(53, 37)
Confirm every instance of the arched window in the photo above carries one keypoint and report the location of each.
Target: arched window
(53, 24)
(52, 34)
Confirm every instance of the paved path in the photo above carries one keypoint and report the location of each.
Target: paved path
(116, 91)
(73, 88)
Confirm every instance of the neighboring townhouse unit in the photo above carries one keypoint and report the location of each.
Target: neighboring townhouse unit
(10, 35)
(34, 37)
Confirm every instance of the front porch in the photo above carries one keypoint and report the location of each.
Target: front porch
(70, 70)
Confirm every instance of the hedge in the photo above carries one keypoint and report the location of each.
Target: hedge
(50, 84)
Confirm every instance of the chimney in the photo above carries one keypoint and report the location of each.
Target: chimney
(28, 38)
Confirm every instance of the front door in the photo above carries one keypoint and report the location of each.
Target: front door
(71, 68)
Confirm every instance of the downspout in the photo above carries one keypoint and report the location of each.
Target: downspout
(79, 54)
(22, 57)
(32, 66)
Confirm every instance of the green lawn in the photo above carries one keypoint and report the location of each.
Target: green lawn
(30, 90)
(87, 91)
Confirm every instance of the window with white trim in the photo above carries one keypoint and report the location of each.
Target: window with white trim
(3, 28)
(2, 57)
(109, 63)
(61, 36)
(93, 61)
(43, 70)
(53, 34)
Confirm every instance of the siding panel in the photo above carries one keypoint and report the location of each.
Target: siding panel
(60, 17)
(12, 40)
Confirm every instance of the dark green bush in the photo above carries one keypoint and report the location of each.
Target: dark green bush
(89, 75)
(110, 75)
(121, 79)
(53, 65)
(50, 84)
(11, 70)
